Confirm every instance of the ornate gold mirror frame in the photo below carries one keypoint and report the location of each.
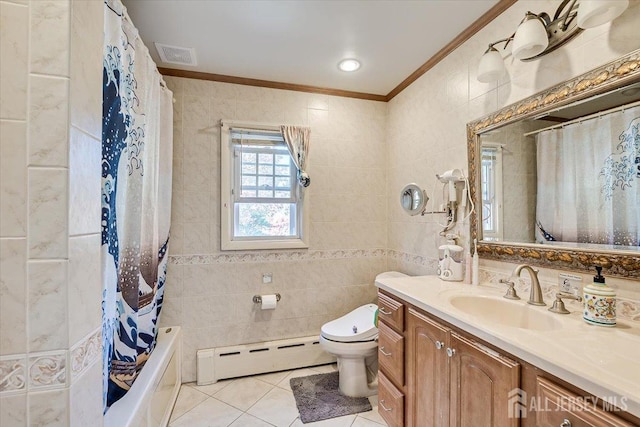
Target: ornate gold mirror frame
(618, 73)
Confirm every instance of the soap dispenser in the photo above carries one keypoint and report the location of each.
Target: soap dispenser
(599, 302)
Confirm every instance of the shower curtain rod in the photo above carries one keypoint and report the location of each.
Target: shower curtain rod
(581, 119)
(125, 15)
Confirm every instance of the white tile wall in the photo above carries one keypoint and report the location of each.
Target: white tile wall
(213, 302)
(85, 286)
(48, 209)
(14, 51)
(13, 296)
(47, 303)
(49, 408)
(48, 121)
(49, 46)
(13, 178)
(426, 125)
(50, 70)
(52, 50)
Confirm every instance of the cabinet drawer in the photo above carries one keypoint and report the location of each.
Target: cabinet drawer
(391, 353)
(391, 311)
(390, 402)
(558, 404)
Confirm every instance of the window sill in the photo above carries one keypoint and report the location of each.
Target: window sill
(244, 245)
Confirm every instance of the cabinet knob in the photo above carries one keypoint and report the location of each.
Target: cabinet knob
(384, 352)
(451, 352)
(381, 403)
(565, 423)
(385, 312)
(439, 345)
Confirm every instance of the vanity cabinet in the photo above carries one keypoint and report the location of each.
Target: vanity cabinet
(434, 375)
(452, 380)
(567, 409)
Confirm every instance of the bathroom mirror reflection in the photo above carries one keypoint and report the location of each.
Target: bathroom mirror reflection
(413, 199)
(560, 184)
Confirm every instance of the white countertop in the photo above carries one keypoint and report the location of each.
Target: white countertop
(604, 362)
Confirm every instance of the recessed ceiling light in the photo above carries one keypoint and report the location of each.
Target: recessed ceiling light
(349, 64)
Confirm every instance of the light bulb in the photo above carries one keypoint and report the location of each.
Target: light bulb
(491, 66)
(592, 13)
(531, 38)
(349, 64)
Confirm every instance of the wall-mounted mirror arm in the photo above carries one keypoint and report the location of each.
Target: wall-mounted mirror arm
(413, 199)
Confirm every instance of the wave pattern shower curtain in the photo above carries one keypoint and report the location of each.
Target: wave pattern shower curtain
(589, 180)
(136, 201)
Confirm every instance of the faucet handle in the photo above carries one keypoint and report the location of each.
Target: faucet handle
(511, 291)
(558, 304)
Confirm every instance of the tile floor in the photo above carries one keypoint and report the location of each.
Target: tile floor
(259, 401)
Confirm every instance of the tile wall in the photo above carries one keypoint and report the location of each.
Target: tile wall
(50, 68)
(50, 286)
(210, 292)
(426, 122)
(369, 148)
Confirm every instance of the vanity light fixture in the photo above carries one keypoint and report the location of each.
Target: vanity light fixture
(539, 34)
(349, 64)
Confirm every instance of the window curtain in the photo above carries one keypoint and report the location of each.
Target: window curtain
(297, 139)
(589, 180)
(136, 201)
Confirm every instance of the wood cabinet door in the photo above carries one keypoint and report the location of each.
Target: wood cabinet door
(559, 405)
(481, 380)
(427, 392)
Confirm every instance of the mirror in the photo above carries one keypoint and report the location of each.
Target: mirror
(413, 199)
(536, 175)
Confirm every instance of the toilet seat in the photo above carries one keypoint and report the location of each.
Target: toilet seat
(356, 326)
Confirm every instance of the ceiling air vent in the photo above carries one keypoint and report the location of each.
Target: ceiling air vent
(176, 54)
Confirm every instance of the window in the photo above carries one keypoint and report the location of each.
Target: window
(491, 176)
(261, 207)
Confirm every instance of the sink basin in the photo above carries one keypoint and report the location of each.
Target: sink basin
(515, 314)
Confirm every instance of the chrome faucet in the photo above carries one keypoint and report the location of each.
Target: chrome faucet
(535, 296)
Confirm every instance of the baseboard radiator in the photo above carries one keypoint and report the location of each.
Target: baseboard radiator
(249, 359)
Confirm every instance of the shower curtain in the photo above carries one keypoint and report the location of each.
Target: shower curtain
(589, 180)
(136, 201)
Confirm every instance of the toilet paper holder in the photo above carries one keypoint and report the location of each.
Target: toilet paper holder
(257, 299)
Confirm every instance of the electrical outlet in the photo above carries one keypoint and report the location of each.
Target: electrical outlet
(570, 283)
(267, 278)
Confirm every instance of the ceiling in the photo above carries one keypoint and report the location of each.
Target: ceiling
(301, 42)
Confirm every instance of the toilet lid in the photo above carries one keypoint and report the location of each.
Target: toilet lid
(354, 326)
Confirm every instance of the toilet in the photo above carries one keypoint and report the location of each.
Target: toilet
(353, 339)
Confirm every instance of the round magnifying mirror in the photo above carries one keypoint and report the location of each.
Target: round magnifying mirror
(413, 199)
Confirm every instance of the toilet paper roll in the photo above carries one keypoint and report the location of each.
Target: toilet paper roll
(269, 302)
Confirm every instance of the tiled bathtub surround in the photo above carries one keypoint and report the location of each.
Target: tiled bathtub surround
(50, 136)
(13, 373)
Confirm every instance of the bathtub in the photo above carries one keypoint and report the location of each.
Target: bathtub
(153, 394)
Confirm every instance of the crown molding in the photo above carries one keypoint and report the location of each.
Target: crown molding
(469, 32)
